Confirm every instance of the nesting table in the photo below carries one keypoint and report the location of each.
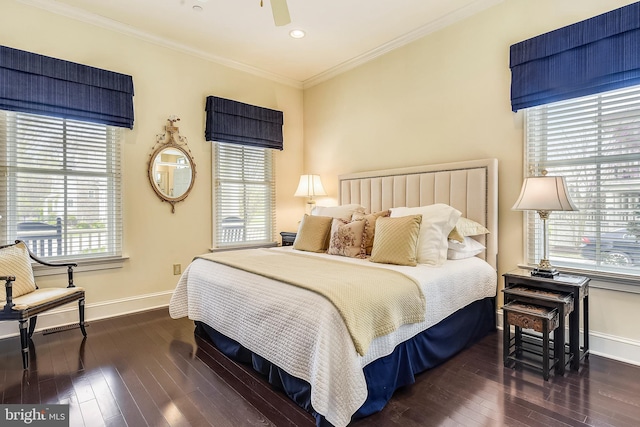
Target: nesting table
(577, 290)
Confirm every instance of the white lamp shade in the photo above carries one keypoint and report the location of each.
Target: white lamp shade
(544, 193)
(310, 186)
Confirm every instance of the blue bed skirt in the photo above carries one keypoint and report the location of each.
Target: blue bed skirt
(426, 350)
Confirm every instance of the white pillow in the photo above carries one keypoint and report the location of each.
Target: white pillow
(468, 249)
(343, 212)
(437, 222)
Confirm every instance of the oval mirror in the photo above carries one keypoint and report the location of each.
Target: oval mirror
(172, 170)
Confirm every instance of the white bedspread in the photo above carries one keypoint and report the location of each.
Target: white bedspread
(302, 332)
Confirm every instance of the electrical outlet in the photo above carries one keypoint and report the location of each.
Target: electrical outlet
(177, 269)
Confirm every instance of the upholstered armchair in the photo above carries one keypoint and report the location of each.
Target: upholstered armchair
(22, 300)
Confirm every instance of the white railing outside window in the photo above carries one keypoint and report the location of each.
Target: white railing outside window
(244, 195)
(60, 186)
(594, 142)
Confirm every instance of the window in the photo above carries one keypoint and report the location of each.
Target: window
(594, 142)
(244, 201)
(60, 186)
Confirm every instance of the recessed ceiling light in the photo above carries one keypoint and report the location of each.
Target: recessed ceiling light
(297, 34)
(197, 8)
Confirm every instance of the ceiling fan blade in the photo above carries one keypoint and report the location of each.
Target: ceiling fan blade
(280, 12)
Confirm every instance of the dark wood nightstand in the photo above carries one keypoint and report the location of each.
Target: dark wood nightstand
(288, 238)
(577, 287)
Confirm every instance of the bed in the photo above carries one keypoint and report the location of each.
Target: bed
(300, 340)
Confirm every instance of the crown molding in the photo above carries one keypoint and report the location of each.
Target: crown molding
(110, 24)
(432, 27)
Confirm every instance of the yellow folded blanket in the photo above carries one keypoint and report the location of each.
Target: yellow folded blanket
(373, 301)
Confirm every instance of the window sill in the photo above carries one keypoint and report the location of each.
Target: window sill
(92, 264)
(244, 246)
(602, 280)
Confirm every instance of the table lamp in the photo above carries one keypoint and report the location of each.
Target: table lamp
(310, 186)
(544, 194)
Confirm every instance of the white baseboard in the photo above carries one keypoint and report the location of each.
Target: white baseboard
(617, 348)
(609, 346)
(605, 345)
(69, 314)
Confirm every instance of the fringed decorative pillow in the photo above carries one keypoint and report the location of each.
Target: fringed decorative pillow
(347, 238)
(370, 227)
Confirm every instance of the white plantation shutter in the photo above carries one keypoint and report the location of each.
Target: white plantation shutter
(60, 179)
(244, 201)
(594, 142)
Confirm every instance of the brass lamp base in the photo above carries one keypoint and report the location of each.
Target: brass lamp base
(545, 269)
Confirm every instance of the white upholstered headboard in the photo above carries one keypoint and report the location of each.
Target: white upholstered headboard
(470, 186)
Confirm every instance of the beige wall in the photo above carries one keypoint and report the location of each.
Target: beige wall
(445, 98)
(166, 82)
(442, 98)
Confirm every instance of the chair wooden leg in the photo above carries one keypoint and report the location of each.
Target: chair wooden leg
(24, 341)
(81, 315)
(32, 325)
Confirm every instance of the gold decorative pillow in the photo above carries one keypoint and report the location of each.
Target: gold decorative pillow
(313, 234)
(15, 261)
(437, 222)
(347, 238)
(396, 240)
(467, 227)
(370, 226)
(455, 235)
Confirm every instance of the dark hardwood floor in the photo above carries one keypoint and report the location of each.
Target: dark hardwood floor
(147, 370)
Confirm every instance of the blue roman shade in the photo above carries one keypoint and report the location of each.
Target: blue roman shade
(236, 123)
(596, 55)
(38, 84)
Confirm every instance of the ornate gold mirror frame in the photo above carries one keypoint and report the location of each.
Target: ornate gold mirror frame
(172, 170)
